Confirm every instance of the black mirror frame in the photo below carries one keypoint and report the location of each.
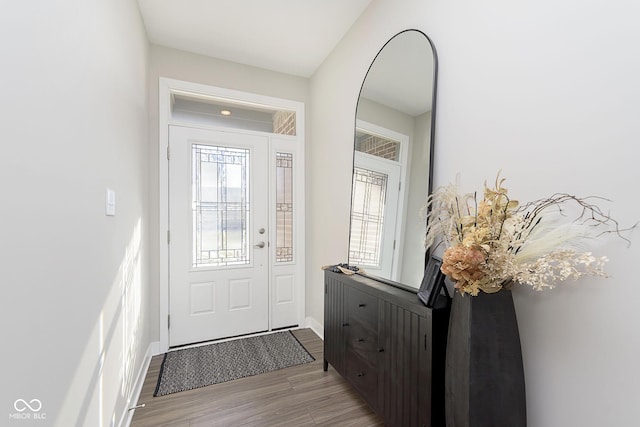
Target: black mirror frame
(431, 134)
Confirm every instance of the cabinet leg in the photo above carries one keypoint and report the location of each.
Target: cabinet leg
(325, 365)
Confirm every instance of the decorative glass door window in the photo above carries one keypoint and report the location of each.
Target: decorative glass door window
(220, 205)
(284, 207)
(367, 217)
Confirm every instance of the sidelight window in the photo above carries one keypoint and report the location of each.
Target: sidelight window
(284, 207)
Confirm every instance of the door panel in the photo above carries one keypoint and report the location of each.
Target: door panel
(218, 217)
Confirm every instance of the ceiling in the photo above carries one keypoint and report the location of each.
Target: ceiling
(288, 36)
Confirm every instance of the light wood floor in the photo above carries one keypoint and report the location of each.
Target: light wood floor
(302, 395)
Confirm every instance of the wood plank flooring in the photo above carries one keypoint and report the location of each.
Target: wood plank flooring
(302, 395)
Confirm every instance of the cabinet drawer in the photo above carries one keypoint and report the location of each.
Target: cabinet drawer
(364, 377)
(363, 340)
(363, 308)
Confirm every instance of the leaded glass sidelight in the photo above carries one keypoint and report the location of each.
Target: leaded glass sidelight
(284, 207)
(367, 217)
(220, 205)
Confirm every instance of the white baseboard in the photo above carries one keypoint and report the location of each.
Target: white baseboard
(315, 326)
(152, 350)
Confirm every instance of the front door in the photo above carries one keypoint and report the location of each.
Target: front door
(219, 242)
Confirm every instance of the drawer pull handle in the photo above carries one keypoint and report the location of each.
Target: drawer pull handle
(345, 324)
(360, 374)
(381, 350)
(362, 305)
(360, 339)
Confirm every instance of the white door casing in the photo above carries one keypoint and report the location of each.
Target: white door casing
(286, 292)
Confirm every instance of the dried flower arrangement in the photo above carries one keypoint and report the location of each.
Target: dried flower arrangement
(495, 242)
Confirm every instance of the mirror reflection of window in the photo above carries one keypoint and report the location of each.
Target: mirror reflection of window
(377, 202)
(377, 145)
(367, 217)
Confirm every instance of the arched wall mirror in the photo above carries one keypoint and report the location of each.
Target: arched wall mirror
(393, 159)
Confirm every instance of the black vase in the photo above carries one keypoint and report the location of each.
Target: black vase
(484, 377)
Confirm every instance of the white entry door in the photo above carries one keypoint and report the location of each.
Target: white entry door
(219, 234)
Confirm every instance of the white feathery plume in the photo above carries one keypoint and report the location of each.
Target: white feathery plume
(551, 235)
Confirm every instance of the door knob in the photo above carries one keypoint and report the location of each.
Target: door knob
(259, 245)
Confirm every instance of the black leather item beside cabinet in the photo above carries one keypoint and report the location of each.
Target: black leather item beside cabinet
(389, 346)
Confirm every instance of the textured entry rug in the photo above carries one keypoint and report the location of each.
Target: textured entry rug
(196, 367)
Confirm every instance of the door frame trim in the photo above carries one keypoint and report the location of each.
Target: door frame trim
(166, 88)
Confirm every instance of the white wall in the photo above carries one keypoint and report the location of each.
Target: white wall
(548, 92)
(74, 281)
(413, 245)
(180, 65)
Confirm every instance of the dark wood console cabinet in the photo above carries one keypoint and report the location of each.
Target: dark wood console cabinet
(389, 346)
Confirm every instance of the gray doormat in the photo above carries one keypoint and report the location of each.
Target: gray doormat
(196, 367)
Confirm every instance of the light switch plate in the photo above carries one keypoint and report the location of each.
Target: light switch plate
(110, 206)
